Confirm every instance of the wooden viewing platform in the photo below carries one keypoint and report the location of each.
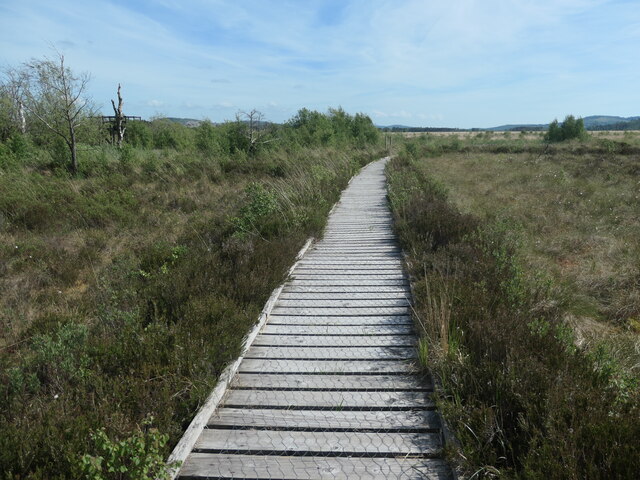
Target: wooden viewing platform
(327, 388)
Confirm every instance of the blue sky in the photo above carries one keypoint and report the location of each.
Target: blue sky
(461, 63)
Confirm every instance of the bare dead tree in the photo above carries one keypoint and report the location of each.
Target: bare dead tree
(56, 97)
(255, 128)
(119, 124)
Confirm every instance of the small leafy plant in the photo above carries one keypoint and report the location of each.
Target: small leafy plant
(138, 457)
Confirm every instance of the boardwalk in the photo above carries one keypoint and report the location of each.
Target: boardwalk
(327, 389)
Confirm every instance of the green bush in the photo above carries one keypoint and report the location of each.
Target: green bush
(138, 457)
(569, 129)
(138, 134)
(169, 134)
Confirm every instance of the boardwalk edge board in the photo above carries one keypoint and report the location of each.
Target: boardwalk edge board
(184, 447)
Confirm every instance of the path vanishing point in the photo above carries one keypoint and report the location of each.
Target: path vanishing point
(327, 389)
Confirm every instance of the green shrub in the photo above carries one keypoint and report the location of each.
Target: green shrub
(252, 218)
(137, 457)
(138, 134)
(569, 129)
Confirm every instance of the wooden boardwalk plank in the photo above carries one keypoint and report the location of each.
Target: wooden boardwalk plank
(202, 465)
(356, 282)
(344, 271)
(327, 399)
(344, 302)
(337, 443)
(337, 330)
(253, 365)
(342, 353)
(331, 340)
(424, 420)
(340, 311)
(347, 276)
(370, 320)
(294, 288)
(343, 296)
(331, 382)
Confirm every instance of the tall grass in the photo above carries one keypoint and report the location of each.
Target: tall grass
(524, 399)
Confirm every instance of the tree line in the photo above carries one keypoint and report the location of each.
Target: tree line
(43, 102)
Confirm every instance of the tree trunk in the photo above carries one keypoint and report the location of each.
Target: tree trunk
(72, 148)
(21, 118)
(118, 127)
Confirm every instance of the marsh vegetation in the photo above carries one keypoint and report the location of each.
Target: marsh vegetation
(526, 268)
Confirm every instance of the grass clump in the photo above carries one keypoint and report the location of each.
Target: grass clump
(523, 396)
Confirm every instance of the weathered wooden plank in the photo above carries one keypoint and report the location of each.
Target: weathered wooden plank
(376, 271)
(303, 341)
(368, 265)
(335, 330)
(344, 303)
(202, 465)
(255, 365)
(335, 256)
(336, 443)
(338, 235)
(291, 288)
(347, 275)
(356, 243)
(417, 420)
(342, 259)
(340, 319)
(340, 311)
(327, 399)
(338, 282)
(331, 382)
(360, 240)
(344, 296)
(350, 353)
(356, 250)
(329, 253)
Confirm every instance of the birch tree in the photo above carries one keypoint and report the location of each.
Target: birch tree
(57, 97)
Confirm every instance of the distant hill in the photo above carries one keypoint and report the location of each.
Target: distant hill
(518, 127)
(188, 122)
(592, 122)
(604, 120)
(607, 122)
(406, 128)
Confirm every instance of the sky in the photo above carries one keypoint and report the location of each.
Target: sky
(459, 63)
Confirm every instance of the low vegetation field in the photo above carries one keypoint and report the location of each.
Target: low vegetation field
(526, 267)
